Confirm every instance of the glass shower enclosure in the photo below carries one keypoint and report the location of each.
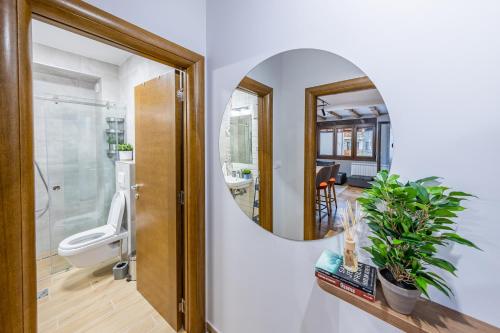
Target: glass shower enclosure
(74, 171)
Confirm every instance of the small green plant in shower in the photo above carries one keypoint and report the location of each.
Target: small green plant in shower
(125, 152)
(125, 147)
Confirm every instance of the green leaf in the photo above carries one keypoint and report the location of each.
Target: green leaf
(421, 284)
(397, 241)
(460, 194)
(443, 213)
(427, 179)
(441, 263)
(458, 239)
(439, 285)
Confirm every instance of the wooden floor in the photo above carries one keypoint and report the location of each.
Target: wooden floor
(332, 224)
(90, 300)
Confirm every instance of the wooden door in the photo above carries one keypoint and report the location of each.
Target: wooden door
(158, 124)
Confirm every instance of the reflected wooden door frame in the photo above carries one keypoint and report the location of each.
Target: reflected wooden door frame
(18, 307)
(310, 144)
(265, 148)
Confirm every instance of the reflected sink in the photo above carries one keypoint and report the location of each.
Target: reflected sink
(235, 183)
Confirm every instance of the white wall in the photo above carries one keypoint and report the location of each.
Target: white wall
(181, 22)
(134, 71)
(435, 64)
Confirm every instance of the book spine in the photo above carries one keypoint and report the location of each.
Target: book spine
(351, 283)
(339, 284)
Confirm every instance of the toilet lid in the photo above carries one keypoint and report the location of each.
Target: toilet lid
(115, 216)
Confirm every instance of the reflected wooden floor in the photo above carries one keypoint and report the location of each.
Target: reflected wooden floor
(332, 225)
(90, 300)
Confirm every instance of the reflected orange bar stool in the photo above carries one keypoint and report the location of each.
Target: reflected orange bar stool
(331, 185)
(322, 179)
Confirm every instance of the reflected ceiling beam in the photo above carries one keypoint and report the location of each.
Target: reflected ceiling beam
(354, 113)
(375, 111)
(335, 114)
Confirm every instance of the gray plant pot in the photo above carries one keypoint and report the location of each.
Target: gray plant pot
(399, 299)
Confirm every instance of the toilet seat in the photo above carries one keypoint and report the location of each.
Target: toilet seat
(90, 239)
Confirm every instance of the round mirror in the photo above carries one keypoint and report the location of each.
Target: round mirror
(303, 133)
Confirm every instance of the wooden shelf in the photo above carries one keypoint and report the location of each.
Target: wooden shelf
(427, 316)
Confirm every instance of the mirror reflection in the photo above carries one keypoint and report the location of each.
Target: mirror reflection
(303, 133)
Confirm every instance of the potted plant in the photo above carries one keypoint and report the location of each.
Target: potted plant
(247, 173)
(125, 152)
(409, 222)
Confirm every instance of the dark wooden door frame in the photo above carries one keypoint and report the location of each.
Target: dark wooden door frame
(18, 308)
(310, 146)
(265, 148)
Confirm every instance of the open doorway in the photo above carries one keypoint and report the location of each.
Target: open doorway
(82, 133)
(105, 120)
(350, 135)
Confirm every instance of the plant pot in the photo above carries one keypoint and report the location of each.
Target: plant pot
(247, 176)
(125, 155)
(399, 299)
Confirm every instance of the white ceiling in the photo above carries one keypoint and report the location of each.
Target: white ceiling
(359, 101)
(58, 38)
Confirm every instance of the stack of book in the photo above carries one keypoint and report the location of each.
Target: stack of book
(331, 270)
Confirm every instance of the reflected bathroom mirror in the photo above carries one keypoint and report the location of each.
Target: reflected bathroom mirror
(303, 133)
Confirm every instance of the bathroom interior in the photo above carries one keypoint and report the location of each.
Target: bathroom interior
(83, 105)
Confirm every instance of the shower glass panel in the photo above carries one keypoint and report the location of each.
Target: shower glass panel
(71, 150)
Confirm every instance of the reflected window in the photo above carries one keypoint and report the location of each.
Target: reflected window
(344, 141)
(326, 142)
(365, 141)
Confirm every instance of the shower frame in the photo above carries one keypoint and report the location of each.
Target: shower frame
(18, 307)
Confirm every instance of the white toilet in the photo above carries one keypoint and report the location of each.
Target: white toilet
(96, 245)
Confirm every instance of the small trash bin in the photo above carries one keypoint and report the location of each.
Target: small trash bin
(120, 270)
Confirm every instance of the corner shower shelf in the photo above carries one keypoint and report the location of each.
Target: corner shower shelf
(114, 131)
(428, 316)
(116, 135)
(115, 119)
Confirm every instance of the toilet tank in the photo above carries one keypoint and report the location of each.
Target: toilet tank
(125, 177)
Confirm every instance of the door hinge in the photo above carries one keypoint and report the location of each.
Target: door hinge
(180, 95)
(180, 197)
(182, 306)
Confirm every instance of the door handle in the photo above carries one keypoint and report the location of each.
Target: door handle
(136, 188)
